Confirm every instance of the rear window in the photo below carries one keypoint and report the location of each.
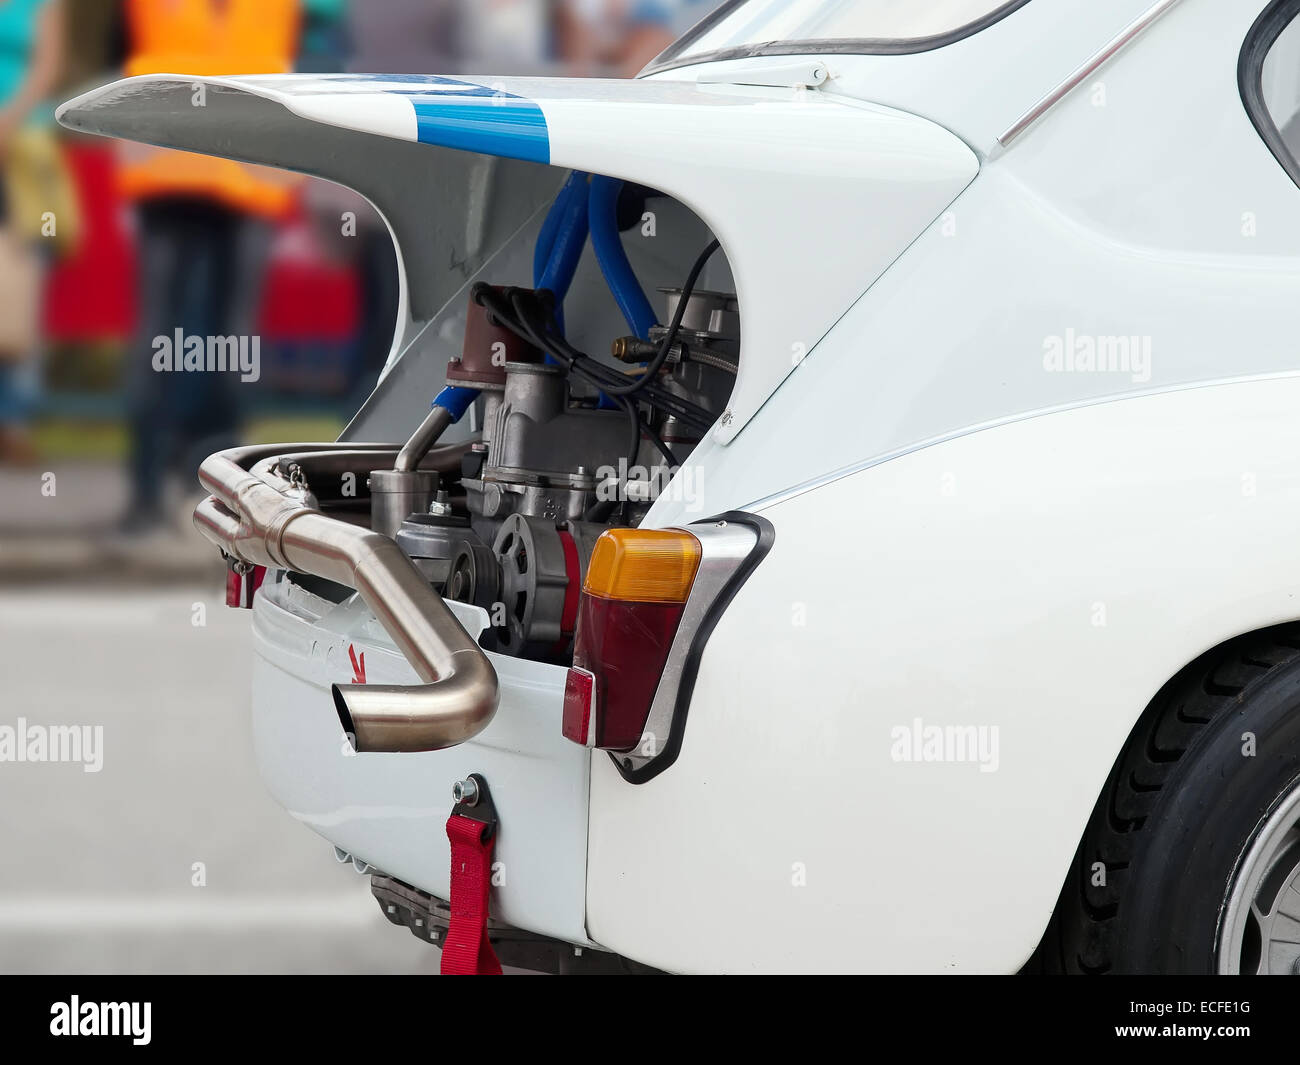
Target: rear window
(787, 27)
(1269, 75)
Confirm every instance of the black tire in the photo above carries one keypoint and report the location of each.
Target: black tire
(1181, 805)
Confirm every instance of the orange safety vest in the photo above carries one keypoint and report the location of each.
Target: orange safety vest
(208, 38)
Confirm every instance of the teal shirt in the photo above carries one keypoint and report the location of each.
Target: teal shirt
(17, 35)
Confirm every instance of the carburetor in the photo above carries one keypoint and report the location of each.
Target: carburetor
(537, 483)
(543, 452)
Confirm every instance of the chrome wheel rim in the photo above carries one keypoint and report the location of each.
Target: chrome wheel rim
(1260, 927)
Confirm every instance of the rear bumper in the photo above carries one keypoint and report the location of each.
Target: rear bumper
(391, 809)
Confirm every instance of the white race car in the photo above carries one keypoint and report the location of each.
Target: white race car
(834, 501)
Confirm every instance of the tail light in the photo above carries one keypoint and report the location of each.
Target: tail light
(633, 598)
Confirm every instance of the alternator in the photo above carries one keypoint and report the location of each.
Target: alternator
(541, 570)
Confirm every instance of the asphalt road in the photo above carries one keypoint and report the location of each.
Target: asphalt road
(98, 868)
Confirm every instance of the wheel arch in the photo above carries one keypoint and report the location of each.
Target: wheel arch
(1204, 672)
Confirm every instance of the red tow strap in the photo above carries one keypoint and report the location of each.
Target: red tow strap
(242, 584)
(467, 951)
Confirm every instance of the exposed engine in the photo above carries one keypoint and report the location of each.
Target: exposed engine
(570, 446)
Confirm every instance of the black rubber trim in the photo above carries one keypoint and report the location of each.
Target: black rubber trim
(691, 668)
(671, 58)
(1250, 78)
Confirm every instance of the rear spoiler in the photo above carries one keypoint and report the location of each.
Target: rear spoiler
(811, 195)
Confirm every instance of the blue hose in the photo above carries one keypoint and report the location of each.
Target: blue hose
(570, 239)
(562, 236)
(455, 400)
(546, 235)
(602, 214)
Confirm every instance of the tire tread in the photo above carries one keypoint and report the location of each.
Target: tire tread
(1080, 937)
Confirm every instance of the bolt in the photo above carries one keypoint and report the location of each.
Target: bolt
(465, 791)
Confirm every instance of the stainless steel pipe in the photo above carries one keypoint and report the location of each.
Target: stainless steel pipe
(264, 520)
(406, 488)
(413, 451)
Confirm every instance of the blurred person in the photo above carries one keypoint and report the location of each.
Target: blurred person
(506, 37)
(94, 43)
(620, 37)
(588, 33)
(652, 25)
(385, 37)
(404, 36)
(31, 59)
(203, 228)
(323, 42)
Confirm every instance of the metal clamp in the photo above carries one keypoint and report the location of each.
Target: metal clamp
(474, 801)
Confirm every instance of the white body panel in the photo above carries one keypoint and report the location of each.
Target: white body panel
(1064, 235)
(972, 85)
(391, 810)
(1045, 577)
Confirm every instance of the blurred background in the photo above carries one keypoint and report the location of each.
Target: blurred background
(172, 857)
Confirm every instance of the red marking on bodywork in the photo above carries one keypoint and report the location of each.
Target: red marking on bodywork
(358, 667)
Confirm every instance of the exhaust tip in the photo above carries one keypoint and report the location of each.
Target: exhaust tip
(398, 718)
(345, 715)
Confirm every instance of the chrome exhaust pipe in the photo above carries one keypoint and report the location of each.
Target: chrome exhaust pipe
(262, 519)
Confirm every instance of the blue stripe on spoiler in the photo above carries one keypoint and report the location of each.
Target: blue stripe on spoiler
(496, 125)
(472, 117)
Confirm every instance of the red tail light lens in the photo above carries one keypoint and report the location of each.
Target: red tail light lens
(632, 602)
(580, 707)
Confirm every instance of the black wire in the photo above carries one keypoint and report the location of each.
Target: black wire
(522, 319)
(530, 330)
(532, 318)
(655, 364)
(640, 428)
(630, 408)
(519, 319)
(663, 448)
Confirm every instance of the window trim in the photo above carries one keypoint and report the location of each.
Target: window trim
(671, 58)
(1263, 34)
